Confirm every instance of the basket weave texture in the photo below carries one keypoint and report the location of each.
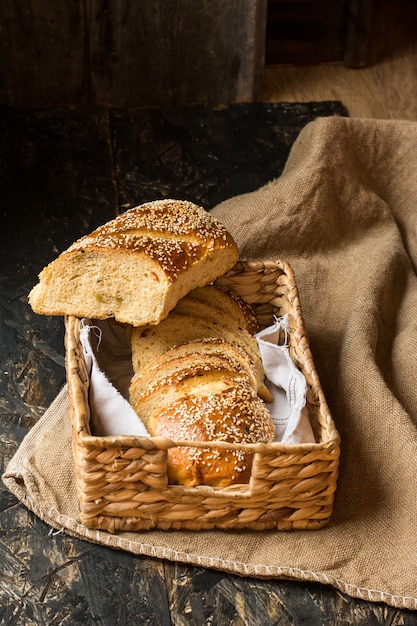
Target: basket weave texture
(122, 481)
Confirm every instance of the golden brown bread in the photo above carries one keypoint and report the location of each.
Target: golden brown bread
(191, 398)
(238, 359)
(229, 303)
(177, 330)
(136, 267)
(199, 377)
(198, 316)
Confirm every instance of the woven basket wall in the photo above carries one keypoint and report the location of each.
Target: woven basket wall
(122, 481)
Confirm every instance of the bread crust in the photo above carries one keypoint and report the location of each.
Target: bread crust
(136, 267)
(236, 416)
(229, 303)
(202, 399)
(199, 377)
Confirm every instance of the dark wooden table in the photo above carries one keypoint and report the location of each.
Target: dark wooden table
(62, 173)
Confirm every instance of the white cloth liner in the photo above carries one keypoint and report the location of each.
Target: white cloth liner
(107, 357)
(111, 413)
(287, 385)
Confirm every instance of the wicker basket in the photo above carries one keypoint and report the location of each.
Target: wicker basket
(122, 481)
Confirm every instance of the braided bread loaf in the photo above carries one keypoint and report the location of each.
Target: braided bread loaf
(199, 377)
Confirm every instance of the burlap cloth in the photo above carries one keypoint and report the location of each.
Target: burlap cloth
(344, 214)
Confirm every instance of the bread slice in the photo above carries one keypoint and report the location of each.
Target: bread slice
(150, 342)
(206, 311)
(235, 357)
(229, 303)
(136, 267)
(201, 403)
(159, 385)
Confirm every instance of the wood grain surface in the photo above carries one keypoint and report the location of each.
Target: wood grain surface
(147, 53)
(62, 172)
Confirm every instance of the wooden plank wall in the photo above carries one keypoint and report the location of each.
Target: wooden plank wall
(307, 32)
(121, 53)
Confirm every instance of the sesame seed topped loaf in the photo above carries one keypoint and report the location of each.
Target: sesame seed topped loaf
(229, 303)
(199, 377)
(237, 357)
(197, 319)
(202, 397)
(136, 267)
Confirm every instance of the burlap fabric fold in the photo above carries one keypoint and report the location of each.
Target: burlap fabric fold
(344, 214)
